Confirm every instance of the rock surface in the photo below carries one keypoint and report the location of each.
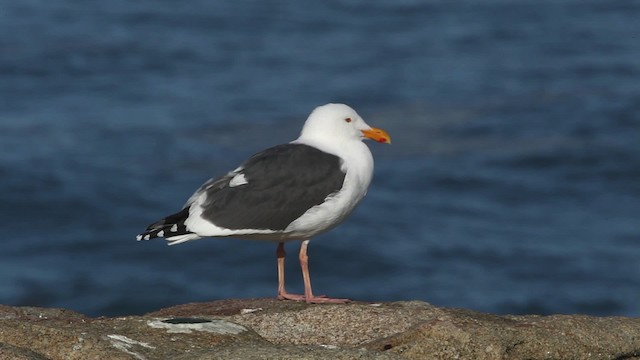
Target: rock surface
(271, 329)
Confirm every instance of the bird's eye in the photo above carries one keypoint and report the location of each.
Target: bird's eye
(348, 119)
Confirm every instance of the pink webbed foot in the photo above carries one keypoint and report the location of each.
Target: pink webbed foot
(294, 297)
(320, 299)
(308, 296)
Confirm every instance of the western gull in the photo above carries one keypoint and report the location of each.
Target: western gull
(288, 192)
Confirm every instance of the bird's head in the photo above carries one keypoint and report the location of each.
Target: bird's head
(339, 121)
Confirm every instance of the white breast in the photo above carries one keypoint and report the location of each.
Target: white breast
(358, 164)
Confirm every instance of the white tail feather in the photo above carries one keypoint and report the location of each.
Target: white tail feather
(178, 239)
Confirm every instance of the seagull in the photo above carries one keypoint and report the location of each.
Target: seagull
(288, 192)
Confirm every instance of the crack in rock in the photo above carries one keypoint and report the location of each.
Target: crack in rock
(213, 326)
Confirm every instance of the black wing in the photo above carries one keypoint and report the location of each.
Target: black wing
(282, 183)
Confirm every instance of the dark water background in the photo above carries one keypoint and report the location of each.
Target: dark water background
(512, 185)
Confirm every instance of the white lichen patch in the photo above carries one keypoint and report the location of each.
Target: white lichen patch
(78, 345)
(249, 311)
(126, 344)
(216, 326)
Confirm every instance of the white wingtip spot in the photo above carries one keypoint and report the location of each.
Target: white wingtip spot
(138, 237)
(147, 237)
(161, 233)
(174, 228)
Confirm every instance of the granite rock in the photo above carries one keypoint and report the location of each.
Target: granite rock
(270, 329)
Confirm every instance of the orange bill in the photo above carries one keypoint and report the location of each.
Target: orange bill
(378, 135)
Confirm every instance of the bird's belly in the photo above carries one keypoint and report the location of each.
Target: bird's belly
(327, 215)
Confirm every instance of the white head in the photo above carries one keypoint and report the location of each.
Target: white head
(339, 122)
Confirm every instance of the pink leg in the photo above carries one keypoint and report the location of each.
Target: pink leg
(308, 293)
(282, 293)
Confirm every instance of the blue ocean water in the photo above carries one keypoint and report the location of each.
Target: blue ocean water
(512, 184)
